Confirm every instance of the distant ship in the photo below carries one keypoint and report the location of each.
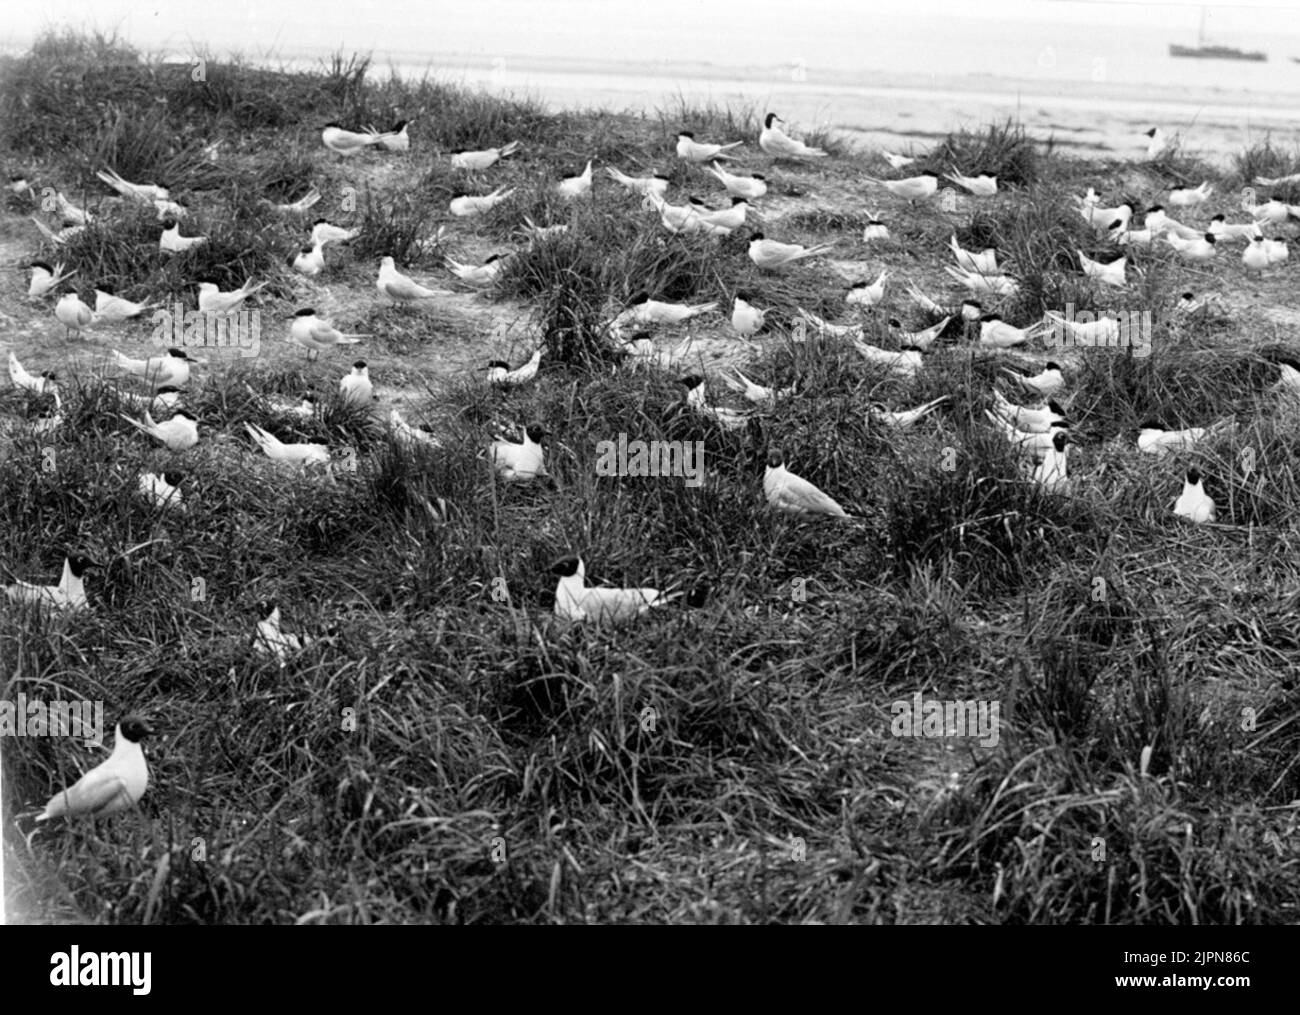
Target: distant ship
(1203, 52)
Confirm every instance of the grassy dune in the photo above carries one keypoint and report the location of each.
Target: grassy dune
(447, 751)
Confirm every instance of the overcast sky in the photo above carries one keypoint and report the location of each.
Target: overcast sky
(450, 26)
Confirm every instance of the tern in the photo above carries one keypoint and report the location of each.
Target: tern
(867, 294)
(998, 285)
(520, 462)
(575, 186)
(1225, 230)
(477, 274)
(404, 431)
(277, 450)
(1046, 383)
(44, 278)
(315, 334)
(697, 401)
(656, 183)
(1153, 439)
(1158, 222)
(1192, 250)
(396, 138)
(875, 229)
(323, 231)
(906, 417)
(914, 188)
(1050, 474)
(1274, 212)
(398, 287)
(980, 186)
(165, 399)
(695, 151)
(115, 784)
(347, 142)
(172, 368)
(1111, 274)
(728, 218)
(1101, 332)
(897, 161)
(923, 301)
(355, 388)
(824, 327)
(213, 301)
(477, 161)
(464, 205)
(751, 187)
(756, 393)
(62, 236)
(70, 213)
(146, 193)
(162, 491)
(919, 339)
(1027, 419)
(115, 309)
(298, 207)
(1255, 256)
(746, 318)
(776, 142)
(180, 433)
(499, 371)
(1277, 181)
(46, 383)
(641, 309)
(793, 494)
(1036, 445)
(983, 263)
(900, 361)
(73, 314)
(69, 594)
(309, 261)
(1276, 249)
(1123, 236)
(771, 254)
(1100, 217)
(172, 242)
(1194, 503)
(270, 640)
(1186, 197)
(575, 601)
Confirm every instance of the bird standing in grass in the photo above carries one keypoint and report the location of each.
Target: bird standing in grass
(465, 205)
(398, 287)
(771, 254)
(161, 490)
(355, 388)
(746, 318)
(499, 371)
(69, 594)
(751, 187)
(347, 142)
(793, 494)
(172, 242)
(116, 783)
(1194, 503)
(115, 309)
(574, 601)
(46, 383)
(45, 278)
(695, 151)
(777, 143)
(73, 314)
(170, 369)
(575, 186)
(180, 433)
(520, 462)
(309, 261)
(269, 639)
(477, 161)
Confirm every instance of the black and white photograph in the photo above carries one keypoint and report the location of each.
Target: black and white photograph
(608, 464)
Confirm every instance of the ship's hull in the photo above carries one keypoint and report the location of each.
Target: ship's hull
(1217, 53)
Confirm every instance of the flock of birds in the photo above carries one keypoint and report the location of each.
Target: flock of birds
(1040, 430)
